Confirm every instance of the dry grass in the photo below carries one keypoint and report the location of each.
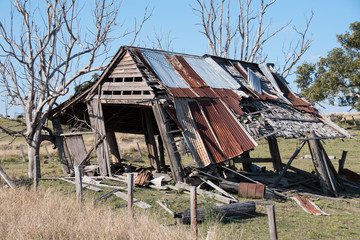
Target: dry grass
(47, 215)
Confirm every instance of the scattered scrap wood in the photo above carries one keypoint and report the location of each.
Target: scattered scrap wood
(90, 181)
(230, 210)
(137, 202)
(308, 206)
(220, 190)
(83, 185)
(143, 178)
(215, 196)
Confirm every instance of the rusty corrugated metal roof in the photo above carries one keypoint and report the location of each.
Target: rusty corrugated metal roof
(211, 143)
(192, 134)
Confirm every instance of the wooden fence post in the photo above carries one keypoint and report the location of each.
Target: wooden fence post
(130, 182)
(78, 182)
(193, 212)
(22, 152)
(272, 221)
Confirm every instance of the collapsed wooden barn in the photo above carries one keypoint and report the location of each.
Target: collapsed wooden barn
(220, 107)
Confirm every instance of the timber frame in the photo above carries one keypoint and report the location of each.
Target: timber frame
(129, 97)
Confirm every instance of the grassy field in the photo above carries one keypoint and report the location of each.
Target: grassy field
(52, 212)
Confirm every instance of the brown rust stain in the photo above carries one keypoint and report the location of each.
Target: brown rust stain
(186, 71)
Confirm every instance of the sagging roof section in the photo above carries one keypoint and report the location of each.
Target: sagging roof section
(221, 105)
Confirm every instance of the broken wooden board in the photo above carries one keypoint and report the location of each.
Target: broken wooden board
(137, 202)
(91, 181)
(215, 196)
(84, 186)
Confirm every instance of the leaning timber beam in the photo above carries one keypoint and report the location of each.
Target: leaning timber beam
(173, 155)
(275, 153)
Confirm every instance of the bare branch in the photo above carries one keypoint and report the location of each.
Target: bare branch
(292, 56)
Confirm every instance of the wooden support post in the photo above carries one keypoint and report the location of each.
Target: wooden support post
(275, 153)
(63, 152)
(342, 161)
(320, 167)
(130, 182)
(289, 163)
(272, 221)
(173, 155)
(246, 165)
(193, 212)
(78, 182)
(22, 152)
(113, 146)
(161, 152)
(150, 140)
(98, 127)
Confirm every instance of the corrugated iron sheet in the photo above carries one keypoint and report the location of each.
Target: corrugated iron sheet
(191, 133)
(186, 71)
(254, 81)
(163, 69)
(210, 141)
(212, 73)
(295, 100)
(182, 92)
(231, 136)
(269, 76)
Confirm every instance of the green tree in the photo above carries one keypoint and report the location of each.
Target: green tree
(336, 77)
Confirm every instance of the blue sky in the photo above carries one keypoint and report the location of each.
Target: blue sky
(176, 17)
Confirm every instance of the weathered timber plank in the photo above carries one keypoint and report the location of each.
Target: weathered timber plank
(135, 98)
(98, 127)
(63, 152)
(137, 202)
(83, 185)
(150, 140)
(113, 146)
(77, 147)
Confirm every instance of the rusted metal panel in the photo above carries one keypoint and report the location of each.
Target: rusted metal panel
(251, 190)
(233, 104)
(308, 206)
(209, 139)
(230, 134)
(186, 71)
(299, 103)
(206, 92)
(183, 92)
(191, 132)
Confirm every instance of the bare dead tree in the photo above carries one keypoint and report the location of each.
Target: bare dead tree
(246, 36)
(293, 54)
(213, 21)
(39, 61)
(160, 40)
